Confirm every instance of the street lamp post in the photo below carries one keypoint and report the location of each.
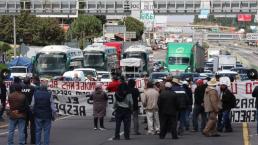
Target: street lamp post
(14, 36)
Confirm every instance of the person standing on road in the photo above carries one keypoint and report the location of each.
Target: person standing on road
(2, 99)
(199, 106)
(17, 114)
(255, 94)
(136, 95)
(228, 102)
(183, 101)
(123, 107)
(113, 86)
(44, 111)
(168, 106)
(150, 103)
(28, 91)
(99, 98)
(189, 108)
(212, 107)
(35, 82)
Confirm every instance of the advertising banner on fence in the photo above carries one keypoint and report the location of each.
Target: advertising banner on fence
(73, 98)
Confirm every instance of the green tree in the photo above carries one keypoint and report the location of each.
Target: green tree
(85, 27)
(4, 46)
(133, 25)
(42, 31)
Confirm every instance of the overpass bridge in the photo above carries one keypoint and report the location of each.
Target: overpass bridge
(125, 7)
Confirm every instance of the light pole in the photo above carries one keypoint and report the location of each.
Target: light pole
(14, 36)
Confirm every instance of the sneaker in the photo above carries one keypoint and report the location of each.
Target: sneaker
(157, 132)
(102, 128)
(95, 128)
(194, 130)
(150, 133)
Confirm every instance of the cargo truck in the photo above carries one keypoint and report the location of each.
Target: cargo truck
(224, 62)
(184, 57)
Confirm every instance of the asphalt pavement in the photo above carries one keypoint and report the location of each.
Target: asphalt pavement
(73, 130)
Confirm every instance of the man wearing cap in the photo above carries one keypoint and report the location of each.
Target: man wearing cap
(182, 103)
(212, 107)
(228, 102)
(168, 107)
(199, 105)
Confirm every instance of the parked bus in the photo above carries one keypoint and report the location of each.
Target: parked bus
(100, 57)
(54, 60)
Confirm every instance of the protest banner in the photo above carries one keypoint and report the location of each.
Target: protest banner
(73, 98)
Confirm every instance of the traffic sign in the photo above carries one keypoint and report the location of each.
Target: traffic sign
(115, 29)
(251, 36)
(147, 15)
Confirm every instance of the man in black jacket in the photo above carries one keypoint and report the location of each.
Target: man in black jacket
(168, 110)
(28, 91)
(199, 106)
(228, 102)
(255, 94)
(135, 95)
(2, 99)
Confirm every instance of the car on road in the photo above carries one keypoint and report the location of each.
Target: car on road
(88, 72)
(240, 70)
(158, 76)
(104, 76)
(227, 73)
(190, 75)
(69, 75)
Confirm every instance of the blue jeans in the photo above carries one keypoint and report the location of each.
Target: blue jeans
(187, 116)
(42, 125)
(182, 120)
(225, 121)
(13, 123)
(199, 110)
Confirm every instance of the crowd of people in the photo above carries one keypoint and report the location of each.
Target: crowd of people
(29, 104)
(168, 106)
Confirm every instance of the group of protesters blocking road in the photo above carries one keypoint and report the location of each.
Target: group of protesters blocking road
(170, 106)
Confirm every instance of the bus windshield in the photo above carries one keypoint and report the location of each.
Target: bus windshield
(178, 60)
(135, 55)
(93, 59)
(51, 63)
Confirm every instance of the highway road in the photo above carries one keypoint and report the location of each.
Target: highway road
(79, 131)
(72, 130)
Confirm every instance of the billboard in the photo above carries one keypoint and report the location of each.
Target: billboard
(244, 18)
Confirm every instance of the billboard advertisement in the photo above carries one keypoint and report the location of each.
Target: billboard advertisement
(244, 18)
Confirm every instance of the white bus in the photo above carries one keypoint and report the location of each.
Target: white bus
(54, 60)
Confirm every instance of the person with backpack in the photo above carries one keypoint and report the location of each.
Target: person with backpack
(136, 97)
(228, 102)
(123, 107)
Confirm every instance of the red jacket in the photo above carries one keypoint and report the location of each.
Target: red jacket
(113, 86)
